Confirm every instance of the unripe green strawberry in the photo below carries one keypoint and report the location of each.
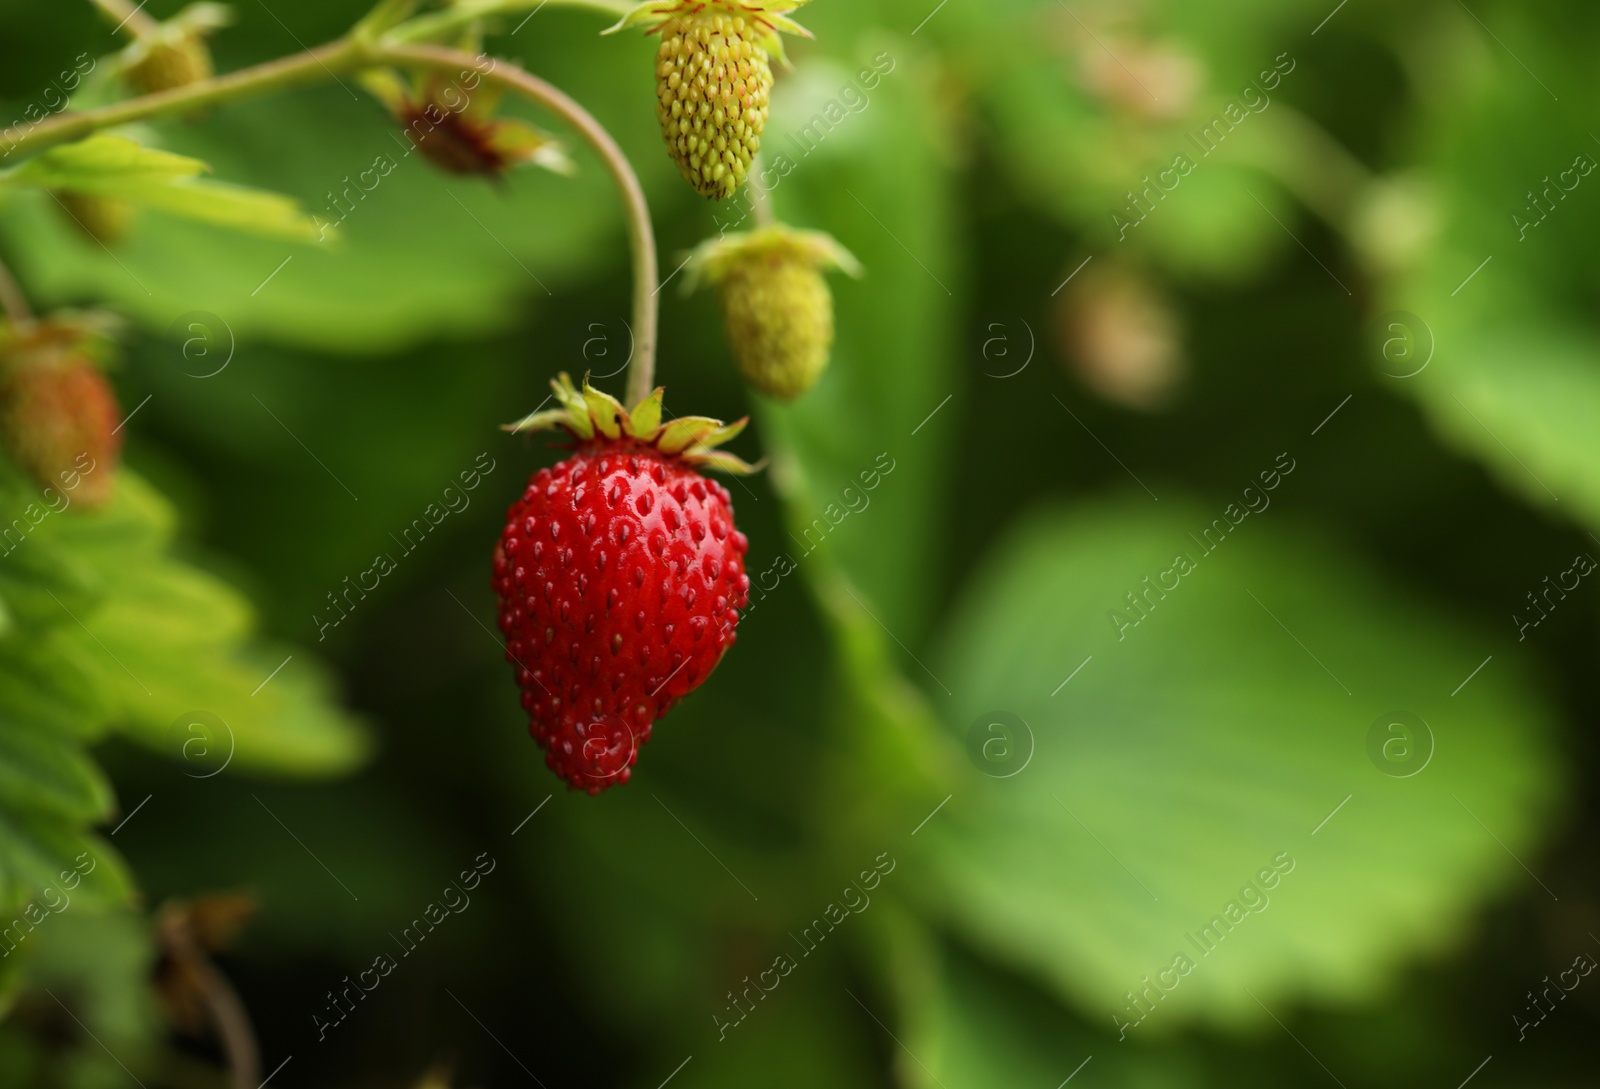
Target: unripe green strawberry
(101, 219)
(775, 303)
(713, 88)
(169, 63)
(58, 414)
(173, 54)
(714, 82)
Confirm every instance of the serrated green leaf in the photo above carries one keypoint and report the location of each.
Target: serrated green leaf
(38, 854)
(115, 166)
(1206, 747)
(973, 1028)
(239, 207)
(289, 724)
(101, 165)
(173, 606)
(48, 682)
(43, 771)
(39, 584)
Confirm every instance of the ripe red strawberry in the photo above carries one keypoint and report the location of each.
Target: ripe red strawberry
(58, 414)
(620, 577)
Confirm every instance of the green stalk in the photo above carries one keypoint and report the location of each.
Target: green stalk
(641, 234)
(442, 24)
(323, 62)
(13, 303)
(126, 15)
(358, 51)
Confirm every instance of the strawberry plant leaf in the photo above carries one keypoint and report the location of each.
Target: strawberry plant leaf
(1249, 764)
(101, 165)
(973, 1028)
(421, 254)
(39, 853)
(109, 631)
(1487, 324)
(869, 441)
(44, 772)
(115, 166)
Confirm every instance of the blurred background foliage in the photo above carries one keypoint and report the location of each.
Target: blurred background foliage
(1344, 283)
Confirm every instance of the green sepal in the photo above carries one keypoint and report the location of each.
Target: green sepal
(609, 417)
(647, 413)
(771, 14)
(538, 421)
(192, 25)
(713, 259)
(519, 141)
(383, 18)
(578, 420)
(723, 462)
(685, 431)
(590, 415)
(386, 85)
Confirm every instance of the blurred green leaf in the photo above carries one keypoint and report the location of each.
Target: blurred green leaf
(859, 482)
(1496, 306)
(968, 1027)
(45, 773)
(102, 165)
(420, 255)
(1211, 744)
(169, 640)
(120, 168)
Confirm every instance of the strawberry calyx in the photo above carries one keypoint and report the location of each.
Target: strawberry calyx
(458, 129)
(596, 418)
(173, 53)
(87, 333)
(714, 259)
(770, 15)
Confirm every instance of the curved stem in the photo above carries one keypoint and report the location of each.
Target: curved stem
(12, 300)
(641, 234)
(350, 53)
(465, 12)
(310, 66)
(223, 1005)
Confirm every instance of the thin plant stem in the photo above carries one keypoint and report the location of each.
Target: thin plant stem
(466, 12)
(355, 52)
(12, 300)
(760, 199)
(310, 66)
(128, 16)
(641, 234)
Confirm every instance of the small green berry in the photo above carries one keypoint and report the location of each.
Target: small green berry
(775, 303)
